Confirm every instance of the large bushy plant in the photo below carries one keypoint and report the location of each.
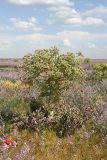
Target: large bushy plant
(51, 72)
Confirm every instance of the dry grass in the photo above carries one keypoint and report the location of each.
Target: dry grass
(50, 147)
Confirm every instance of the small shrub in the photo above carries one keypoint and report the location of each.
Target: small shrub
(33, 121)
(37, 105)
(7, 115)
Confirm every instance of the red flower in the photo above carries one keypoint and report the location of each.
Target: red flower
(8, 142)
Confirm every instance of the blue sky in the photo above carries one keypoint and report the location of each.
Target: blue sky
(71, 25)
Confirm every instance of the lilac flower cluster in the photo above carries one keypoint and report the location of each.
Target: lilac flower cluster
(8, 70)
(10, 62)
(24, 151)
(9, 75)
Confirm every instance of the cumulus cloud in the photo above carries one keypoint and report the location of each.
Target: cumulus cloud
(93, 21)
(41, 2)
(64, 15)
(73, 21)
(22, 44)
(25, 25)
(88, 21)
(92, 44)
(62, 12)
(69, 16)
(97, 11)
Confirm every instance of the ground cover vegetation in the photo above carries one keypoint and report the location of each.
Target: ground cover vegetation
(53, 105)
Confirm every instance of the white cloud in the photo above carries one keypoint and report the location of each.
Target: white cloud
(64, 15)
(93, 21)
(5, 44)
(22, 44)
(88, 21)
(25, 25)
(74, 21)
(64, 11)
(69, 16)
(75, 38)
(97, 11)
(67, 42)
(93, 45)
(41, 2)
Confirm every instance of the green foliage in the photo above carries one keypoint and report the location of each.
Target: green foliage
(77, 110)
(52, 72)
(7, 115)
(87, 60)
(101, 71)
(97, 74)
